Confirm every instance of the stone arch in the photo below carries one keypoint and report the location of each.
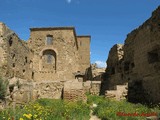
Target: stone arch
(48, 58)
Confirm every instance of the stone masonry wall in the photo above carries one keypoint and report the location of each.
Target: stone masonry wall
(140, 65)
(145, 72)
(114, 69)
(65, 49)
(26, 91)
(84, 52)
(16, 56)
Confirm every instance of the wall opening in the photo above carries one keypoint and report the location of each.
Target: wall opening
(26, 60)
(24, 71)
(153, 57)
(126, 66)
(49, 40)
(11, 88)
(10, 41)
(112, 70)
(13, 65)
(32, 75)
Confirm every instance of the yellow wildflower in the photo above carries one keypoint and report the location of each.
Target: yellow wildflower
(21, 119)
(27, 116)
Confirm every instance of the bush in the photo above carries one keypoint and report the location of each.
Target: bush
(3, 88)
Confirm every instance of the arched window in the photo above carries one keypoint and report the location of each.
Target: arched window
(49, 40)
(49, 59)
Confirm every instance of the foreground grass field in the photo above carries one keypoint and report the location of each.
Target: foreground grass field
(106, 109)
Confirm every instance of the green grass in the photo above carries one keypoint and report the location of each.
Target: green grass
(49, 109)
(108, 109)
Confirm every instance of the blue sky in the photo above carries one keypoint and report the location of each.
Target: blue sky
(107, 21)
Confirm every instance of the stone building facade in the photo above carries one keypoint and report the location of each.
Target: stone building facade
(140, 63)
(50, 54)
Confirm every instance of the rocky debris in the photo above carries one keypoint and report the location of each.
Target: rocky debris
(97, 73)
(118, 94)
(95, 87)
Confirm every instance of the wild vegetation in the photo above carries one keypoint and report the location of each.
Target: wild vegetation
(49, 109)
(3, 88)
(110, 109)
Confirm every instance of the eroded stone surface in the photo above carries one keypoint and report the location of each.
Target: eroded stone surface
(139, 65)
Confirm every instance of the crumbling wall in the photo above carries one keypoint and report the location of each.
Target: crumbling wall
(146, 69)
(74, 90)
(26, 91)
(115, 67)
(140, 63)
(118, 94)
(16, 56)
(97, 73)
(5, 32)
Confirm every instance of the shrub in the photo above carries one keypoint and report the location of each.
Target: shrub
(3, 88)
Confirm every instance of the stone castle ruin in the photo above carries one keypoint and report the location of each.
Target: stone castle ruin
(55, 63)
(46, 65)
(137, 63)
(49, 54)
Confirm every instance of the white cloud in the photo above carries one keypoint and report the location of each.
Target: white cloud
(69, 1)
(101, 64)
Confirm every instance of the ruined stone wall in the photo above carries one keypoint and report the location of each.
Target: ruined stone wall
(3, 56)
(84, 52)
(128, 62)
(74, 90)
(65, 50)
(145, 72)
(27, 91)
(49, 54)
(140, 65)
(114, 67)
(16, 56)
